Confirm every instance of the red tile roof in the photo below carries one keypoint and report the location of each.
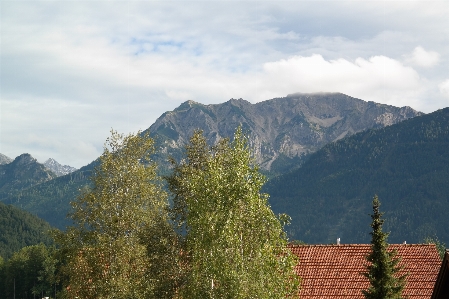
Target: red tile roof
(335, 271)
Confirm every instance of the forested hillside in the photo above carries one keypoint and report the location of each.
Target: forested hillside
(19, 229)
(51, 200)
(406, 165)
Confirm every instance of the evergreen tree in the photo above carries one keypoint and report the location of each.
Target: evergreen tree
(122, 243)
(234, 245)
(383, 269)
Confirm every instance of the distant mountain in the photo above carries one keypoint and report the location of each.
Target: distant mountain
(282, 130)
(21, 174)
(57, 168)
(19, 229)
(406, 165)
(50, 200)
(4, 159)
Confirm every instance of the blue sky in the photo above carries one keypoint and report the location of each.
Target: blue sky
(72, 70)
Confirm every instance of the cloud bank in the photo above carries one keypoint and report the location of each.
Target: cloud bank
(71, 71)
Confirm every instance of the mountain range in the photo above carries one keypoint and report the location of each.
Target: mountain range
(406, 165)
(286, 134)
(282, 131)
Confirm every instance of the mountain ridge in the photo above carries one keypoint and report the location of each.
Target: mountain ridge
(288, 127)
(57, 168)
(294, 127)
(23, 172)
(406, 165)
(5, 159)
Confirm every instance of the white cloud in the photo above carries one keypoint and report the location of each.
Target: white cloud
(72, 70)
(422, 58)
(444, 88)
(378, 78)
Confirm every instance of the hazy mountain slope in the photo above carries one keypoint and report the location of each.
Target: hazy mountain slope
(57, 168)
(281, 132)
(22, 173)
(406, 164)
(19, 229)
(51, 200)
(4, 159)
(285, 128)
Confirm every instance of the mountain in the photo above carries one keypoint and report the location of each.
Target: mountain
(19, 229)
(50, 200)
(406, 165)
(4, 159)
(57, 168)
(21, 174)
(281, 131)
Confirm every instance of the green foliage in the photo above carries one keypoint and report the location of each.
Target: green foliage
(383, 268)
(233, 244)
(121, 241)
(30, 272)
(20, 229)
(297, 242)
(441, 247)
(406, 164)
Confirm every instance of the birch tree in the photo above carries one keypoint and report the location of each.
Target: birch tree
(234, 245)
(121, 239)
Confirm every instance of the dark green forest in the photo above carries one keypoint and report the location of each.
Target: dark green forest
(20, 229)
(51, 200)
(406, 165)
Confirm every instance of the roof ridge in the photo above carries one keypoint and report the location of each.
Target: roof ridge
(356, 245)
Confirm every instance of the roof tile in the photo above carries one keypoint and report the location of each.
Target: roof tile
(335, 271)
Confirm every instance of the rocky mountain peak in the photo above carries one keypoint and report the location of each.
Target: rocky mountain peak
(57, 168)
(24, 159)
(23, 173)
(238, 102)
(5, 159)
(280, 130)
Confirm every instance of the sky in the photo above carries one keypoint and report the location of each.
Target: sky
(70, 71)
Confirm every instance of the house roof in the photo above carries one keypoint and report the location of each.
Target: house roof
(335, 271)
(441, 290)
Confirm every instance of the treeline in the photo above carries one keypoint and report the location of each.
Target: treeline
(218, 239)
(30, 272)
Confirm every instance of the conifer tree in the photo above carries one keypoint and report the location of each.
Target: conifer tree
(234, 245)
(383, 268)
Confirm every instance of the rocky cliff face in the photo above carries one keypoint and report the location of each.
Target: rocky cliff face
(57, 168)
(22, 173)
(4, 159)
(281, 129)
